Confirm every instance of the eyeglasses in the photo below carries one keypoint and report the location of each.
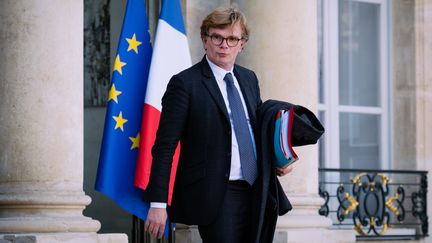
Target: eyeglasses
(230, 40)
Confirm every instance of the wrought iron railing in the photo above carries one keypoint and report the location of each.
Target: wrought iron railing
(389, 204)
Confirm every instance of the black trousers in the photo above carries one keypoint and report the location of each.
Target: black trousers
(233, 223)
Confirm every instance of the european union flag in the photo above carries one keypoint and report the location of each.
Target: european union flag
(121, 136)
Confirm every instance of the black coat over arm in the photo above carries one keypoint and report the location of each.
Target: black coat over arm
(273, 202)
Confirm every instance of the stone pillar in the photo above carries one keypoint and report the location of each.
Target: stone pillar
(41, 131)
(403, 84)
(423, 75)
(282, 50)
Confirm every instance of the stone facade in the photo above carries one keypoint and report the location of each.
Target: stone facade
(41, 85)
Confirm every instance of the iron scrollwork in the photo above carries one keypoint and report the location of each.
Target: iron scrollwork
(347, 203)
(371, 204)
(367, 205)
(324, 210)
(419, 204)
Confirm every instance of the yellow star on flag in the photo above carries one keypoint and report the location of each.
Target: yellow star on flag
(133, 44)
(118, 65)
(113, 93)
(119, 121)
(135, 141)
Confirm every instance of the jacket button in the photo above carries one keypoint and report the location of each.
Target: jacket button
(229, 132)
(229, 154)
(226, 175)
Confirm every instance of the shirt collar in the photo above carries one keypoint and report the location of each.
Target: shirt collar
(218, 72)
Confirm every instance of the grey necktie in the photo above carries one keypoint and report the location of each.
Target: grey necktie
(241, 129)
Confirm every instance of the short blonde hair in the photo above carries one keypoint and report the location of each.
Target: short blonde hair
(225, 16)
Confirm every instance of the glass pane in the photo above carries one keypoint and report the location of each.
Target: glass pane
(359, 53)
(320, 53)
(360, 141)
(321, 143)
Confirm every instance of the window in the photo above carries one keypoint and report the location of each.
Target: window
(354, 84)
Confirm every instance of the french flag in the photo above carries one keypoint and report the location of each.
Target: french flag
(170, 56)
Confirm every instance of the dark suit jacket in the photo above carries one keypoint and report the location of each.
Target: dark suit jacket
(194, 113)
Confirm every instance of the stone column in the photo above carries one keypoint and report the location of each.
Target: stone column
(41, 117)
(403, 84)
(282, 50)
(423, 77)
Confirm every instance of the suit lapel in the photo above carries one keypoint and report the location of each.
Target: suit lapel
(211, 84)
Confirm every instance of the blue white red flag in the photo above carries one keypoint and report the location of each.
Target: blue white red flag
(170, 56)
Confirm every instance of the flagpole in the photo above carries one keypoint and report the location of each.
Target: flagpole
(140, 236)
(171, 234)
(135, 229)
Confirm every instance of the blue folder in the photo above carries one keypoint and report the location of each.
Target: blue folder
(283, 151)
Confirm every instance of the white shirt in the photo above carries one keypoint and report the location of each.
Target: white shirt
(219, 74)
(235, 171)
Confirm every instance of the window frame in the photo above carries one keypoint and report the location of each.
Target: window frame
(330, 75)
